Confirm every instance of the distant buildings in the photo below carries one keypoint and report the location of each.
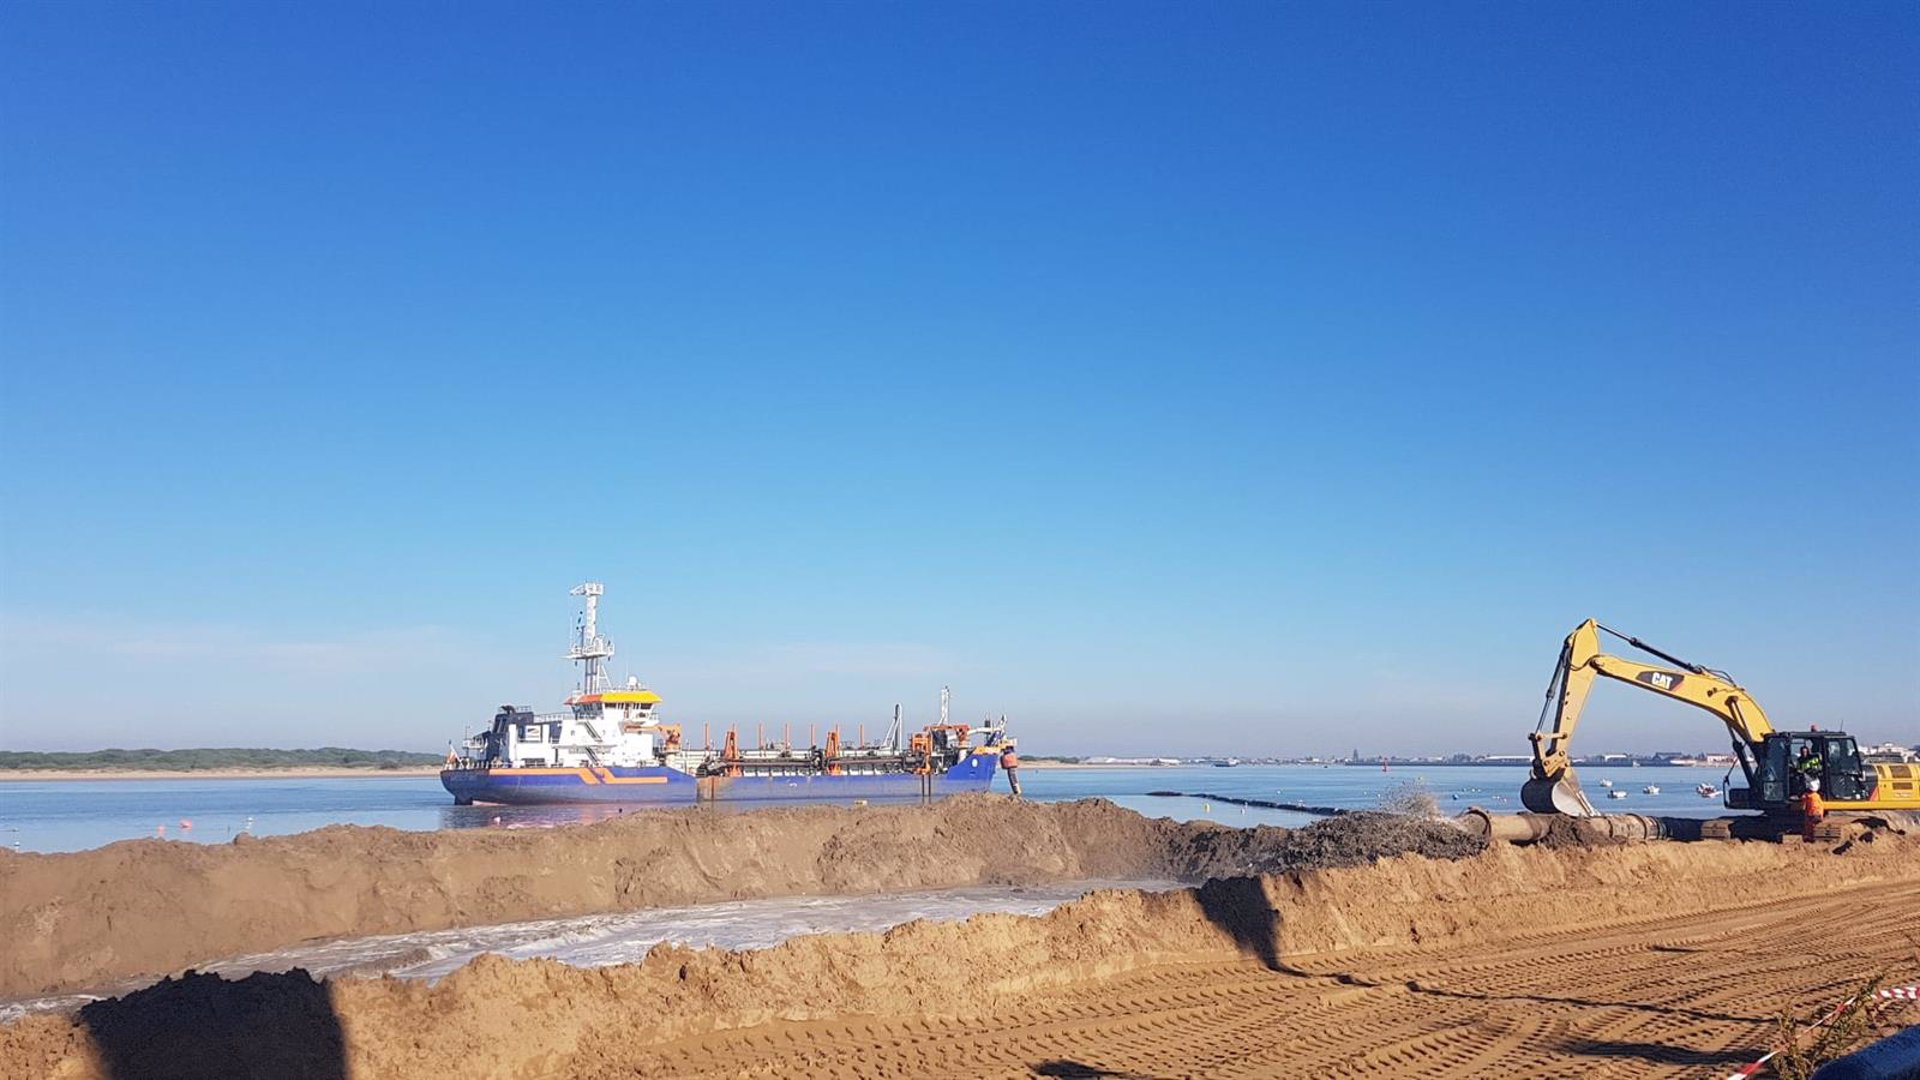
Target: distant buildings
(1891, 752)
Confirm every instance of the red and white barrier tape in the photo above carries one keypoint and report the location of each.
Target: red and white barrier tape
(1894, 993)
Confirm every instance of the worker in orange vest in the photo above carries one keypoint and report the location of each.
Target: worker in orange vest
(1812, 812)
(1010, 764)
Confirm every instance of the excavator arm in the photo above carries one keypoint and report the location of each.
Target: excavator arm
(1553, 787)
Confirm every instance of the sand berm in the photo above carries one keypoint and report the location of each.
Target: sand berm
(1354, 886)
(149, 907)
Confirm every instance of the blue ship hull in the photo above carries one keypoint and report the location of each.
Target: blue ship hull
(662, 786)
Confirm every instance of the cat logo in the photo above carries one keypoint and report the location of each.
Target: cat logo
(1661, 680)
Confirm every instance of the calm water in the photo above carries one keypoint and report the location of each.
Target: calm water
(75, 814)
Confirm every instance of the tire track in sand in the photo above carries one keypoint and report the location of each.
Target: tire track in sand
(1686, 996)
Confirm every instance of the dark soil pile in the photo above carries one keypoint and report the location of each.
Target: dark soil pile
(1572, 832)
(1347, 840)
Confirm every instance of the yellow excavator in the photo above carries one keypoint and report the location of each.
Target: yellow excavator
(1781, 767)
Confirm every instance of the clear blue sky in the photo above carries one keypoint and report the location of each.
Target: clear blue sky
(1247, 377)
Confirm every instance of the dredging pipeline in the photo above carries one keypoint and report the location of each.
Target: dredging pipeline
(1263, 804)
(1530, 828)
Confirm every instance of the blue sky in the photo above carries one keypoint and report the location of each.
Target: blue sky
(1173, 378)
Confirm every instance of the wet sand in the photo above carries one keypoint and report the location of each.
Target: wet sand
(149, 907)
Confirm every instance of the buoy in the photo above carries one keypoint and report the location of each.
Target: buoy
(496, 819)
(159, 830)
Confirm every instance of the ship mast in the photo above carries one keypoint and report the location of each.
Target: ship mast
(589, 648)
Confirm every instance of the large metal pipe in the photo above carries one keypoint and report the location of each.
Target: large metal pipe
(1528, 828)
(1510, 828)
(1620, 827)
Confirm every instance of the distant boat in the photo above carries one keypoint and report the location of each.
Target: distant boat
(1650, 789)
(1227, 764)
(1616, 794)
(1706, 791)
(1606, 783)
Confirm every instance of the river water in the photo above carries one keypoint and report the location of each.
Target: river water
(71, 815)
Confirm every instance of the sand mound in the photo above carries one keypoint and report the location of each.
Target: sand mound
(144, 908)
(501, 1018)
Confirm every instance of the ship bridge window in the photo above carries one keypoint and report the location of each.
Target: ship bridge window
(553, 733)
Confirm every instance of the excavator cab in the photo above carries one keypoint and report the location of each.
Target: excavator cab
(1785, 761)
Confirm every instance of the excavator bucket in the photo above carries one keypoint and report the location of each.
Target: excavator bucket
(1562, 796)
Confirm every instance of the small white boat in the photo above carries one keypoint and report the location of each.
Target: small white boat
(1606, 783)
(1706, 791)
(1650, 789)
(1616, 794)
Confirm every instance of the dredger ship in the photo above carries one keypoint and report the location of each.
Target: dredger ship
(609, 746)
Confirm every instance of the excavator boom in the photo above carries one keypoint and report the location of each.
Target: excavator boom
(1553, 786)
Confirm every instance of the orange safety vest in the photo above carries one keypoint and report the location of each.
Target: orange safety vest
(1009, 760)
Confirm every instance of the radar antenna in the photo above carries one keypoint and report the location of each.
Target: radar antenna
(589, 648)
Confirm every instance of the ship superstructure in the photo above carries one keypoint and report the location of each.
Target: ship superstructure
(610, 745)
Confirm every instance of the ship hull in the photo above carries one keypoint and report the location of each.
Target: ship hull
(662, 786)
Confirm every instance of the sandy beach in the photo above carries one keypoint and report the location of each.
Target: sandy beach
(302, 773)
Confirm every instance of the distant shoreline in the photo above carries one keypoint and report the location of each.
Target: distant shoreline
(301, 772)
(1089, 765)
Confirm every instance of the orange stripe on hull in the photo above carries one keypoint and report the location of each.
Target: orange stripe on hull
(606, 776)
(587, 776)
